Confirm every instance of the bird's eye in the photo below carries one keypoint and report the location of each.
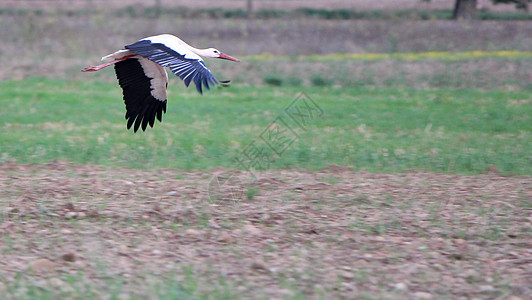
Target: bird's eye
(216, 51)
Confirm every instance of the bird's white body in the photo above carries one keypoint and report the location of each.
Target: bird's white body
(141, 74)
(177, 44)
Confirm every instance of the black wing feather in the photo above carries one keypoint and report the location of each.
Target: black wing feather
(141, 106)
(185, 68)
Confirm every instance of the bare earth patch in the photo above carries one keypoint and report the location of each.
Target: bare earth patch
(334, 233)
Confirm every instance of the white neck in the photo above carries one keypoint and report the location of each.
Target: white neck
(201, 52)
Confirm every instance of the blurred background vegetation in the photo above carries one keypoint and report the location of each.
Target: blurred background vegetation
(55, 38)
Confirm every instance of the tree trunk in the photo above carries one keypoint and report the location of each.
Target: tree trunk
(249, 9)
(465, 10)
(523, 4)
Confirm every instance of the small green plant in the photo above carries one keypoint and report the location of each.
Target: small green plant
(273, 80)
(251, 192)
(319, 80)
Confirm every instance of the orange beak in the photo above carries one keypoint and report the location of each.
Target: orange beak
(225, 56)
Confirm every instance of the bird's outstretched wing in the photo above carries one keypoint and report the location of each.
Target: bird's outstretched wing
(182, 62)
(144, 88)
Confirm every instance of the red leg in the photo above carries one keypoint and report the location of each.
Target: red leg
(99, 67)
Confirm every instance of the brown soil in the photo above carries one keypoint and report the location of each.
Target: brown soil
(334, 232)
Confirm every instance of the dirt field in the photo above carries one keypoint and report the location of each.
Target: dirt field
(334, 232)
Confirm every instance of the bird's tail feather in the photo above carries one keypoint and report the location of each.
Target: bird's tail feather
(225, 83)
(118, 54)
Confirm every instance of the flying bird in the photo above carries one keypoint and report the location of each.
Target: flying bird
(141, 74)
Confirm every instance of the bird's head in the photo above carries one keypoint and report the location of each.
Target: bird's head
(215, 53)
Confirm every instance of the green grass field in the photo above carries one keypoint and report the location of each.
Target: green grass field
(378, 130)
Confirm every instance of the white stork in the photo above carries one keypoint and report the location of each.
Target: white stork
(141, 74)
